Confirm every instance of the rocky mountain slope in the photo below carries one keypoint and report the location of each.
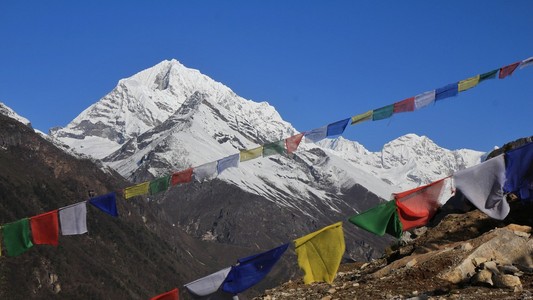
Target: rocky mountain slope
(134, 256)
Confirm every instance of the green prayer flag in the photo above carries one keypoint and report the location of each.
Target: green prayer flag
(17, 237)
(383, 113)
(380, 220)
(488, 75)
(159, 184)
(274, 148)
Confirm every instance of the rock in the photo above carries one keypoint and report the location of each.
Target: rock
(508, 269)
(519, 228)
(466, 247)
(420, 231)
(356, 284)
(477, 261)
(483, 277)
(326, 298)
(332, 291)
(411, 263)
(491, 266)
(507, 281)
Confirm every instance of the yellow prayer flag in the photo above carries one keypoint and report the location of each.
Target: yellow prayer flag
(362, 117)
(136, 190)
(468, 83)
(252, 153)
(320, 253)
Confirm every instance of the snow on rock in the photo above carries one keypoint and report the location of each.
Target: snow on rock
(7, 111)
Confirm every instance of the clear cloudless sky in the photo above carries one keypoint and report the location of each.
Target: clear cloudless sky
(315, 61)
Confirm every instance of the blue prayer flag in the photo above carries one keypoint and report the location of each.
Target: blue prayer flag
(106, 203)
(251, 270)
(519, 171)
(231, 161)
(317, 134)
(450, 90)
(337, 127)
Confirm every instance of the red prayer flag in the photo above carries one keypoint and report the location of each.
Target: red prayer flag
(170, 295)
(292, 142)
(508, 70)
(45, 228)
(417, 206)
(405, 105)
(182, 177)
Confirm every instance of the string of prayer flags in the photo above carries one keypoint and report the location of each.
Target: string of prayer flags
(45, 228)
(362, 117)
(316, 134)
(137, 190)
(274, 148)
(405, 105)
(73, 219)
(205, 172)
(17, 237)
(293, 142)
(468, 83)
(519, 171)
(424, 99)
(447, 91)
(252, 269)
(508, 70)
(106, 203)
(209, 284)
(383, 112)
(251, 153)
(320, 253)
(488, 75)
(170, 295)
(337, 128)
(379, 220)
(526, 62)
(159, 185)
(184, 176)
(231, 161)
(482, 185)
(417, 206)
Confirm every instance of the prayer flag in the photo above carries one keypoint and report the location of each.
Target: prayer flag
(45, 228)
(320, 253)
(182, 177)
(106, 203)
(231, 161)
(526, 62)
(406, 105)
(482, 186)
(362, 117)
(208, 284)
(137, 190)
(468, 83)
(447, 91)
(488, 75)
(205, 172)
(519, 171)
(251, 154)
(424, 99)
(17, 237)
(337, 127)
(73, 219)
(292, 142)
(380, 219)
(159, 184)
(383, 113)
(417, 206)
(252, 269)
(508, 70)
(170, 295)
(274, 148)
(316, 134)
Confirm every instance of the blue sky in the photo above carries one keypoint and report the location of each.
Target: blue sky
(316, 61)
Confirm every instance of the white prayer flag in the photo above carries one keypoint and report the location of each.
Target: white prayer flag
(205, 171)
(424, 99)
(208, 284)
(73, 219)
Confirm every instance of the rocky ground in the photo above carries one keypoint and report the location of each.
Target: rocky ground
(460, 256)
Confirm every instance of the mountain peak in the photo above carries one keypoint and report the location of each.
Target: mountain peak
(7, 111)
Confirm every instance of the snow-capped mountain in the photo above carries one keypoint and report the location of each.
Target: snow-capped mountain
(7, 111)
(170, 117)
